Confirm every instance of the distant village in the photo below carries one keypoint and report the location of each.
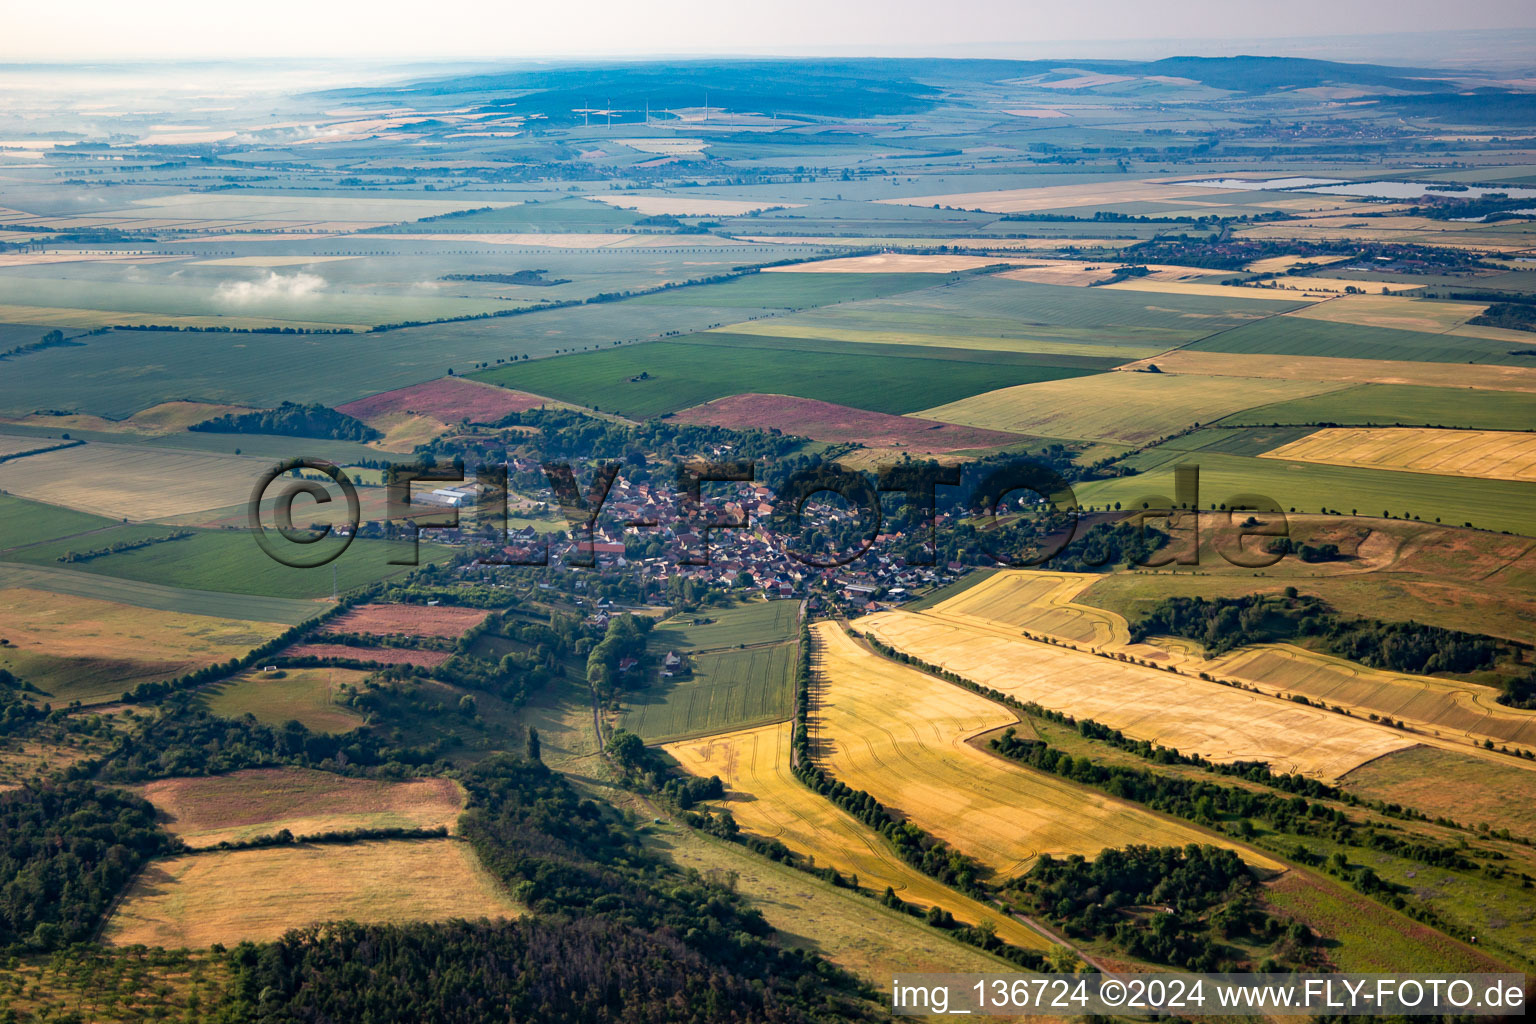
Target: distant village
(642, 517)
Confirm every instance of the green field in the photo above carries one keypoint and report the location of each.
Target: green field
(1309, 487)
(1368, 938)
(1386, 405)
(1237, 441)
(703, 367)
(580, 216)
(1299, 336)
(729, 690)
(146, 301)
(32, 522)
(755, 622)
(144, 594)
(786, 290)
(296, 694)
(228, 561)
(988, 307)
(120, 373)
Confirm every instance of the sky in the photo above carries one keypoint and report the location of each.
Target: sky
(393, 29)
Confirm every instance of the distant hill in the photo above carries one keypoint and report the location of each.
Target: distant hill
(848, 87)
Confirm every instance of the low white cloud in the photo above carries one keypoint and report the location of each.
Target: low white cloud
(273, 286)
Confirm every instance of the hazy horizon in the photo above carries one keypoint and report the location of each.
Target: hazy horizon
(477, 30)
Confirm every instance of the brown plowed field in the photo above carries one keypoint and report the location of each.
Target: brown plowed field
(824, 421)
(407, 620)
(448, 399)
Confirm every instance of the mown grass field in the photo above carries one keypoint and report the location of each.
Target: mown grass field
(1217, 722)
(1312, 487)
(900, 735)
(767, 800)
(1488, 454)
(753, 622)
(1468, 790)
(698, 369)
(1133, 408)
(1386, 405)
(79, 648)
(227, 897)
(306, 695)
(262, 801)
(728, 690)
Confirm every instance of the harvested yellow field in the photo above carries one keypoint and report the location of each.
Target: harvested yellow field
(226, 897)
(1340, 285)
(901, 736)
(403, 431)
(1342, 371)
(1392, 311)
(1218, 722)
(1068, 272)
(65, 626)
(1445, 708)
(1041, 603)
(891, 263)
(206, 811)
(127, 482)
(1229, 291)
(1133, 408)
(766, 800)
(1279, 264)
(689, 206)
(270, 261)
(1489, 454)
(1051, 197)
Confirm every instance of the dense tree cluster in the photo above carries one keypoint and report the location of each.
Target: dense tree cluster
(623, 641)
(1153, 901)
(565, 858)
(187, 740)
(461, 972)
(1225, 623)
(65, 851)
(292, 420)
